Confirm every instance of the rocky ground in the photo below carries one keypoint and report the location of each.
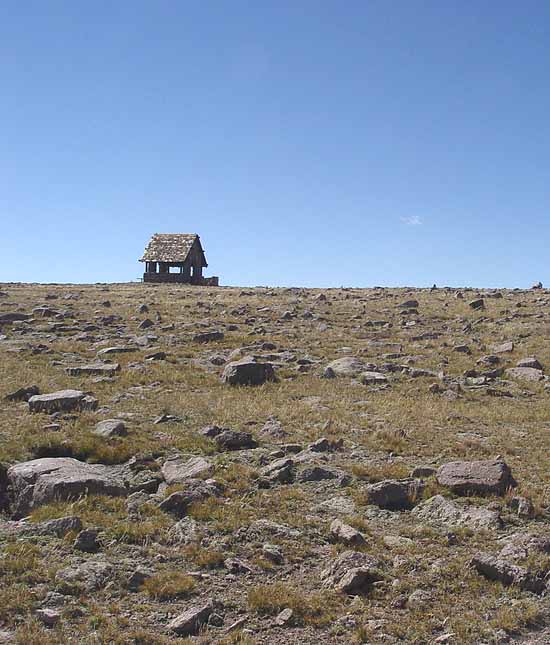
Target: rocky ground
(192, 465)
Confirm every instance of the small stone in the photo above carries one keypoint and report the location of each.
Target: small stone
(23, 394)
(285, 617)
(479, 303)
(190, 621)
(346, 534)
(50, 617)
(273, 553)
(87, 540)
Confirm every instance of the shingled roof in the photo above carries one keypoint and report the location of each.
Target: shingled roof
(171, 247)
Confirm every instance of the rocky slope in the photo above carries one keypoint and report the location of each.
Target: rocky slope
(195, 465)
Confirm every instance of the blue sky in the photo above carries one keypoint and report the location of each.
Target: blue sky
(308, 142)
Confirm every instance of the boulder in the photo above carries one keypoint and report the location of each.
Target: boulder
(393, 494)
(111, 428)
(248, 371)
(520, 546)
(498, 569)
(41, 481)
(476, 477)
(234, 440)
(62, 401)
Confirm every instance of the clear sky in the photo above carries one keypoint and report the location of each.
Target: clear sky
(308, 142)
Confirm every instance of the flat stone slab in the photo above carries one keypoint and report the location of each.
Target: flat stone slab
(107, 351)
(62, 401)
(347, 366)
(94, 369)
(41, 481)
(439, 510)
(525, 373)
(177, 470)
(191, 620)
(14, 316)
(476, 477)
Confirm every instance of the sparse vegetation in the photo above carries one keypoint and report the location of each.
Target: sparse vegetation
(274, 531)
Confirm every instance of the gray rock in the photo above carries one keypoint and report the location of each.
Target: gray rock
(525, 373)
(87, 541)
(190, 621)
(23, 394)
(347, 366)
(346, 534)
(372, 378)
(248, 371)
(393, 494)
(50, 617)
(503, 348)
(439, 510)
(62, 401)
(352, 572)
(476, 477)
(501, 570)
(13, 316)
(532, 362)
(208, 336)
(195, 490)
(88, 576)
(176, 470)
(111, 428)
(93, 369)
(186, 531)
(107, 351)
(479, 303)
(273, 553)
(41, 481)
(58, 527)
(285, 617)
(315, 473)
(235, 440)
